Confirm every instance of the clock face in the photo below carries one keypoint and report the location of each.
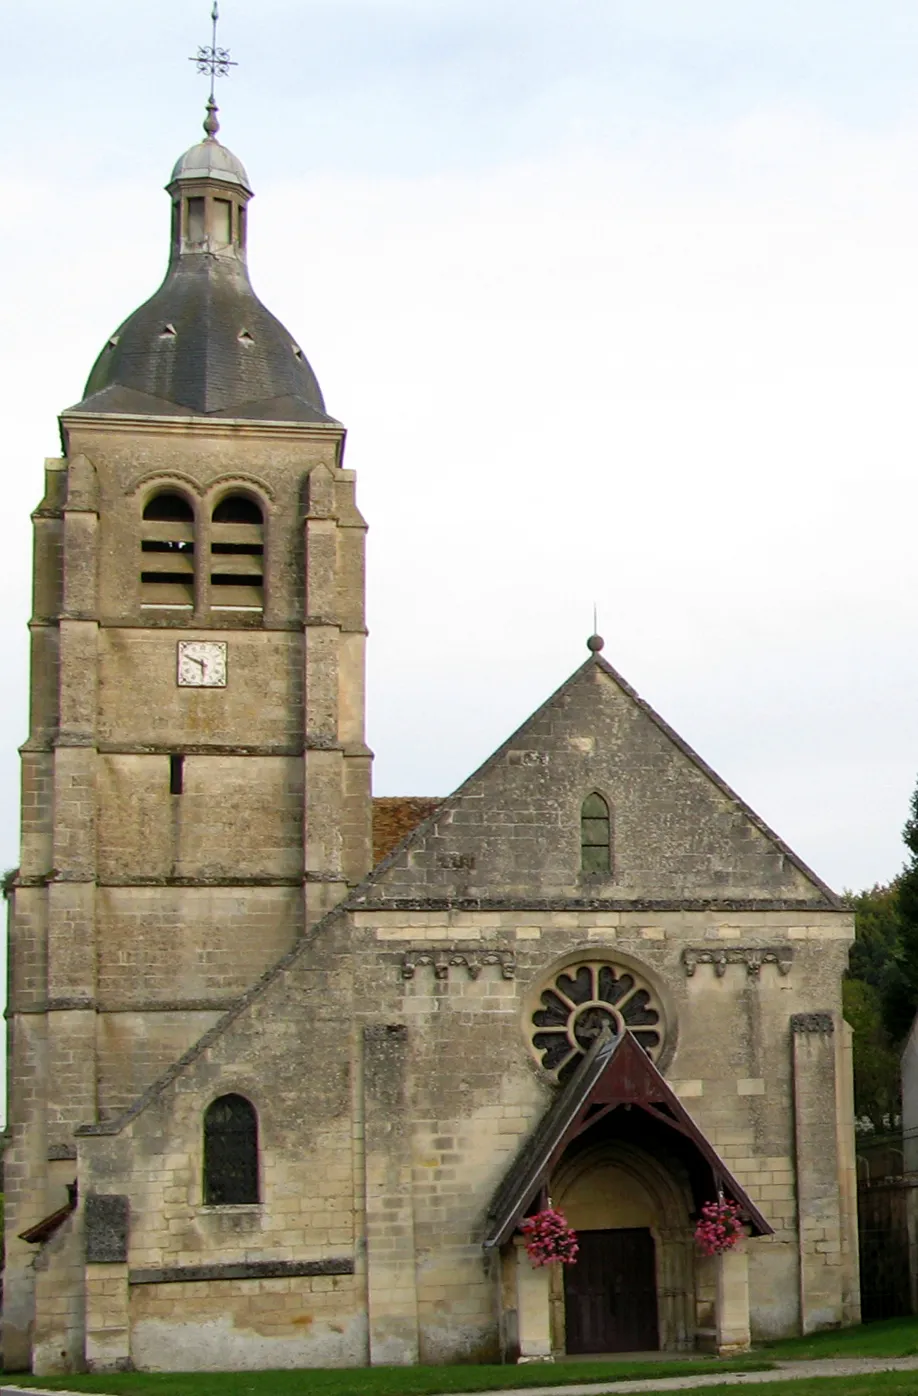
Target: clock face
(201, 664)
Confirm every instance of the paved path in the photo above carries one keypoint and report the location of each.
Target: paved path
(782, 1371)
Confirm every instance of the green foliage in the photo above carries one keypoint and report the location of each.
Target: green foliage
(876, 1064)
(874, 952)
(901, 991)
(873, 977)
(885, 957)
(881, 989)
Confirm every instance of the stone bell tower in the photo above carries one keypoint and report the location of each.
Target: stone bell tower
(196, 785)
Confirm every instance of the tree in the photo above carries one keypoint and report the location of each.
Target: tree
(900, 992)
(881, 987)
(876, 947)
(876, 1063)
(873, 971)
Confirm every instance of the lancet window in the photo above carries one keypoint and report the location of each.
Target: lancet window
(595, 835)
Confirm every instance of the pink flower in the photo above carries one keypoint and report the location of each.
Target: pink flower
(719, 1227)
(549, 1239)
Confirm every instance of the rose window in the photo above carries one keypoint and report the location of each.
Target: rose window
(585, 999)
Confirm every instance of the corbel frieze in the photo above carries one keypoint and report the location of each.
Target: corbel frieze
(474, 961)
(812, 1022)
(751, 956)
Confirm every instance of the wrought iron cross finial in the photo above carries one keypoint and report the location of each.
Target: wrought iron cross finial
(217, 62)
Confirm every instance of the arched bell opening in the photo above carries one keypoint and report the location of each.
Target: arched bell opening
(167, 552)
(237, 555)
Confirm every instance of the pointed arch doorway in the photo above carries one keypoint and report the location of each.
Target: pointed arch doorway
(618, 1151)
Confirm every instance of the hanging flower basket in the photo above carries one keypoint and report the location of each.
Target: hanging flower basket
(719, 1228)
(549, 1239)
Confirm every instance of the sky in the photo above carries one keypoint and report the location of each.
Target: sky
(617, 300)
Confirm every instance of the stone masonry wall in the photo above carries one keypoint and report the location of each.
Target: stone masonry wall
(159, 945)
(144, 912)
(478, 1090)
(260, 708)
(290, 1053)
(58, 1337)
(247, 1324)
(469, 1092)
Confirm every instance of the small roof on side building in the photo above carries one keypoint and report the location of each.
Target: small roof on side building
(395, 817)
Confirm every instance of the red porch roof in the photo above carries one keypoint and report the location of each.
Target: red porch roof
(616, 1074)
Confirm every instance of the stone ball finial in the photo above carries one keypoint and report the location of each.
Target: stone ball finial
(595, 644)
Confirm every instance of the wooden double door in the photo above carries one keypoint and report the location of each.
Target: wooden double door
(610, 1294)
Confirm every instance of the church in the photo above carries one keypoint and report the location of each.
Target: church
(289, 1068)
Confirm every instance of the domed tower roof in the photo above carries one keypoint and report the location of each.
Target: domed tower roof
(204, 345)
(211, 160)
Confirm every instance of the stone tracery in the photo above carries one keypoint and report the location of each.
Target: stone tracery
(581, 1001)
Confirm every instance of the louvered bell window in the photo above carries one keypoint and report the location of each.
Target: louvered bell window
(167, 554)
(237, 548)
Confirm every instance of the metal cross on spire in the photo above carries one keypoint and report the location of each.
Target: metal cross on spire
(212, 59)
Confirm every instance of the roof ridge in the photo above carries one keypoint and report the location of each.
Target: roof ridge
(689, 751)
(596, 660)
(215, 1031)
(449, 801)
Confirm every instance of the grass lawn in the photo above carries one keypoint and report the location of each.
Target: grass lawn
(414, 1381)
(384, 1381)
(889, 1337)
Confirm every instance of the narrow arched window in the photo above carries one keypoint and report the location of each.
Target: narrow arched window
(223, 222)
(595, 835)
(237, 555)
(195, 220)
(167, 553)
(230, 1152)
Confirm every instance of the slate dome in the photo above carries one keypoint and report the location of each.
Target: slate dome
(204, 344)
